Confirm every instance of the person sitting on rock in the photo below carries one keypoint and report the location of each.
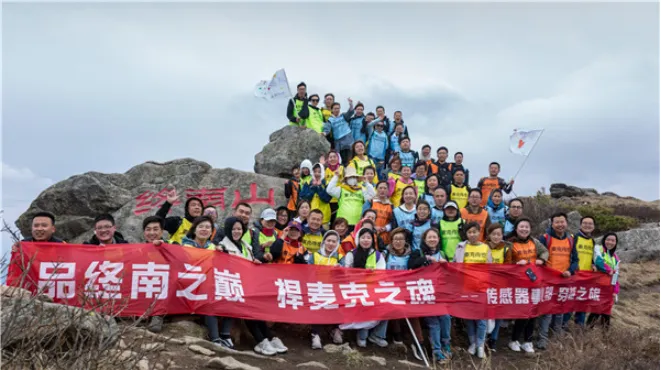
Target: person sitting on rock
(360, 160)
(199, 235)
(327, 255)
(488, 184)
(315, 192)
(351, 194)
(409, 157)
(396, 186)
(105, 231)
(313, 232)
(176, 226)
(458, 190)
(338, 126)
(297, 107)
(262, 235)
(316, 118)
(43, 228)
(242, 211)
(289, 250)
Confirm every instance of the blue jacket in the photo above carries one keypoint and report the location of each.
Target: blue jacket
(339, 125)
(377, 146)
(394, 143)
(357, 131)
(497, 214)
(403, 218)
(408, 158)
(310, 190)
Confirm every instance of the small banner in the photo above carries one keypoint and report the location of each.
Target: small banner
(170, 279)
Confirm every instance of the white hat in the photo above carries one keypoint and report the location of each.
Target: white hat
(268, 215)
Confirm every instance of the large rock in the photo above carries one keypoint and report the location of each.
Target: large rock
(563, 190)
(138, 193)
(288, 147)
(573, 223)
(639, 244)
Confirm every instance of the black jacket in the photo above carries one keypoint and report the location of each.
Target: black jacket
(303, 114)
(51, 240)
(118, 239)
(173, 223)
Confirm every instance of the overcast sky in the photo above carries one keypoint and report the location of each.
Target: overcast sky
(103, 87)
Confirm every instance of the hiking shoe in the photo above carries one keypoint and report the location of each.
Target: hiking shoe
(416, 352)
(439, 357)
(515, 346)
(362, 343)
(155, 324)
(472, 349)
(527, 347)
(480, 352)
(226, 342)
(278, 346)
(378, 341)
(447, 351)
(337, 336)
(264, 348)
(491, 345)
(542, 344)
(316, 341)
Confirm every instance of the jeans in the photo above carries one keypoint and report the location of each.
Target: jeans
(212, 325)
(477, 331)
(378, 331)
(525, 327)
(494, 334)
(579, 319)
(439, 333)
(554, 322)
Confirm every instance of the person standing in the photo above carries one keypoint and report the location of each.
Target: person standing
(474, 213)
(488, 184)
(316, 117)
(297, 108)
(338, 125)
(607, 262)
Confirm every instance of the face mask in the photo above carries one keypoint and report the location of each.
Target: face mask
(352, 181)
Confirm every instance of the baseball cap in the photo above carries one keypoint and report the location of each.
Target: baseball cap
(296, 225)
(268, 215)
(452, 204)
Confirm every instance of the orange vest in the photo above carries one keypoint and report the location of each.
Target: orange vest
(559, 254)
(348, 244)
(524, 251)
(288, 253)
(432, 167)
(383, 218)
(480, 218)
(294, 196)
(488, 184)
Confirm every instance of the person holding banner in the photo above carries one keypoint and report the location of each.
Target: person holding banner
(327, 255)
(525, 250)
(297, 107)
(105, 231)
(499, 248)
(43, 229)
(439, 326)
(474, 251)
(365, 256)
(585, 250)
(199, 235)
(607, 262)
(289, 249)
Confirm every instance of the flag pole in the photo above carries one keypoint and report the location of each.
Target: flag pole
(528, 156)
(291, 96)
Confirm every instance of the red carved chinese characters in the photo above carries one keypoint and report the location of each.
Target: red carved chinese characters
(253, 197)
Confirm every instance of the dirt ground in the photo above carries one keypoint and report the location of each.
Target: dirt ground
(638, 309)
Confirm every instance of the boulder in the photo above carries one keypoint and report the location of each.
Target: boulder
(228, 363)
(138, 193)
(313, 364)
(563, 190)
(288, 147)
(573, 222)
(641, 244)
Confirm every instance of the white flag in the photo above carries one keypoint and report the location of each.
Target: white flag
(277, 87)
(522, 142)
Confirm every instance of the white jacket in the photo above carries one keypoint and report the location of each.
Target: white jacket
(227, 245)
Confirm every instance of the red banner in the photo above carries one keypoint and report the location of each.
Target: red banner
(179, 280)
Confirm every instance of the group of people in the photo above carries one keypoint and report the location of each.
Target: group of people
(387, 209)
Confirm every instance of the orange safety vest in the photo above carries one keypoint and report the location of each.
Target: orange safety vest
(288, 253)
(383, 218)
(432, 167)
(559, 253)
(480, 218)
(294, 196)
(488, 184)
(524, 251)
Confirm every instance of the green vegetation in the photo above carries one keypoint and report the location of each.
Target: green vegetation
(606, 219)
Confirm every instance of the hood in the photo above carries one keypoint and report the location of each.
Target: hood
(321, 167)
(491, 205)
(306, 164)
(186, 214)
(357, 238)
(339, 161)
(322, 249)
(407, 250)
(356, 229)
(229, 223)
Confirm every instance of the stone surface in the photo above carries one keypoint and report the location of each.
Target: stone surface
(229, 363)
(152, 347)
(313, 364)
(573, 222)
(563, 190)
(334, 348)
(201, 350)
(78, 199)
(143, 365)
(288, 147)
(379, 360)
(641, 244)
(223, 350)
(184, 328)
(410, 364)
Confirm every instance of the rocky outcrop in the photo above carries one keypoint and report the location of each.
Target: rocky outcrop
(641, 244)
(563, 190)
(288, 147)
(138, 193)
